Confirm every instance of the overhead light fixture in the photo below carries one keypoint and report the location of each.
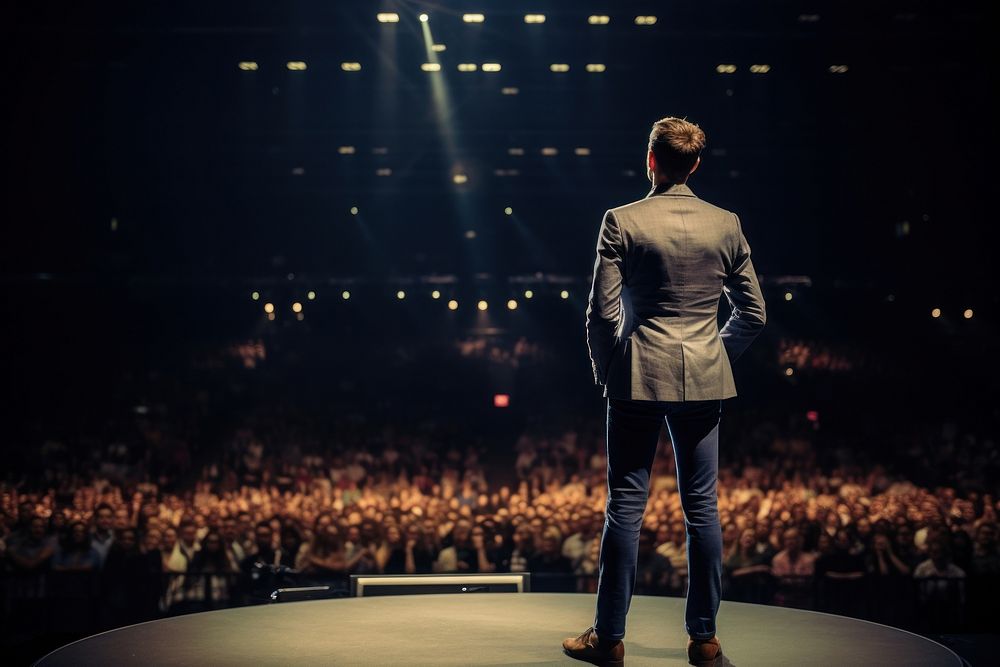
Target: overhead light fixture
(559, 67)
(431, 67)
(473, 18)
(491, 67)
(582, 151)
(595, 67)
(838, 69)
(346, 150)
(549, 151)
(725, 68)
(350, 67)
(645, 20)
(598, 19)
(467, 67)
(296, 65)
(760, 69)
(534, 18)
(509, 90)
(247, 66)
(387, 17)
(438, 48)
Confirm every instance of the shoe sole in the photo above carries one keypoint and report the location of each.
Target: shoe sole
(606, 663)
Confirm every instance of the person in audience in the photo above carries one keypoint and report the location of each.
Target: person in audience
(75, 552)
(103, 534)
(185, 548)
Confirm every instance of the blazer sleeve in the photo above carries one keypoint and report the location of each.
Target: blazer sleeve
(604, 304)
(745, 299)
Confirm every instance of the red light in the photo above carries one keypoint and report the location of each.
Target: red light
(501, 400)
(812, 416)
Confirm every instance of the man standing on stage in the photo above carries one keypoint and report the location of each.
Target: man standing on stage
(652, 330)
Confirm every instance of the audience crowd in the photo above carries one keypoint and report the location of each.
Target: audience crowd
(270, 511)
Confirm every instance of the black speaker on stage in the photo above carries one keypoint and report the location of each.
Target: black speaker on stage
(367, 585)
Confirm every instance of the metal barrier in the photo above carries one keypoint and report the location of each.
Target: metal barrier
(80, 603)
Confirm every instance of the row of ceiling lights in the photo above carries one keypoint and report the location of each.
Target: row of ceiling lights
(559, 68)
(478, 17)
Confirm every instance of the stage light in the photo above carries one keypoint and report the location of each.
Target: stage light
(345, 295)
(387, 17)
(470, 233)
(430, 67)
(509, 90)
(268, 307)
(400, 295)
(354, 210)
(528, 294)
(467, 67)
(598, 19)
(582, 151)
(936, 313)
(595, 67)
(270, 316)
(725, 68)
(380, 150)
(838, 69)
(436, 294)
(508, 211)
(645, 20)
(296, 307)
(512, 304)
(458, 179)
(311, 295)
(812, 415)
(350, 67)
(491, 67)
(549, 151)
(788, 372)
(247, 66)
(788, 296)
(345, 150)
(453, 305)
(473, 18)
(296, 65)
(534, 18)
(501, 400)
(482, 305)
(967, 314)
(438, 48)
(559, 67)
(760, 69)
(255, 296)
(383, 171)
(564, 294)
(298, 171)
(424, 18)
(515, 151)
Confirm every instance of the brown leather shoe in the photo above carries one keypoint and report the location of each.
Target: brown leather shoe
(704, 652)
(588, 648)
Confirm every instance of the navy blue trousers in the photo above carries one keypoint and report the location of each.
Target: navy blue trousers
(633, 429)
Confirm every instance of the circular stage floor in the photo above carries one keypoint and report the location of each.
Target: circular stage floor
(489, 629)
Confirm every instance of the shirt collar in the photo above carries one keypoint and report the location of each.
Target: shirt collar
(671, 189)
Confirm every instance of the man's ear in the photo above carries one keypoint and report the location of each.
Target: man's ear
(695, 167)
(651, 161)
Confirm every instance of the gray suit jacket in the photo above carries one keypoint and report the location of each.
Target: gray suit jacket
(652, 319)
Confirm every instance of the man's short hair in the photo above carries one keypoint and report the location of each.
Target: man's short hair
(676, 144)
